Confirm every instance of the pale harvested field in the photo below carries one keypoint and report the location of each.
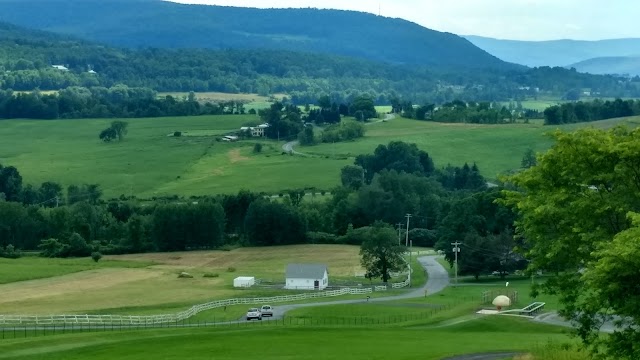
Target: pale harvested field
(157, 289)
(218, 96)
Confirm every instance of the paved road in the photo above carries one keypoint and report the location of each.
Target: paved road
(437, 280)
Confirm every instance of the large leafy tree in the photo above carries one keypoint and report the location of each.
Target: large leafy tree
(398, 156)
(571, 206)
(381, 253)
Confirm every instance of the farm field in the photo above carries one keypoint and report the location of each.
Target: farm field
(148, 283)
(252, 101)
(409, 341)
(150, 163)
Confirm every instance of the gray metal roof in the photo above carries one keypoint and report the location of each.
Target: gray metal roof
(306, 271)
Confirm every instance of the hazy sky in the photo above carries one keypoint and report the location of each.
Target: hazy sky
(505, 19)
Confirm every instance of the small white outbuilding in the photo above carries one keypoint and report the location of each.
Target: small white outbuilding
(244, 281)
(307, 277)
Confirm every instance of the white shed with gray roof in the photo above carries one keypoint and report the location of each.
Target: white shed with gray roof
(307, 277)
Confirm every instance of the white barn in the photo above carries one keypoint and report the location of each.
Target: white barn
(307, 277)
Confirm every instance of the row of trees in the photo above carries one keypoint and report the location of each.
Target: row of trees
(464, 112)
(98, 102)
(569, 113)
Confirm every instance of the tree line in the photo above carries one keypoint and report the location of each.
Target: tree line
(119, 101)
(396, 179)
(459, 111)
(576, 112)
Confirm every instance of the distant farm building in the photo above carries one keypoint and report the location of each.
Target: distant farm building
(60, 67)
(256, 131)
(230, 138)
(307, 277)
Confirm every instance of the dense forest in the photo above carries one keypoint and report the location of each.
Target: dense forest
(576, 112)
(398, 178)
(162, 24)
(27, 58)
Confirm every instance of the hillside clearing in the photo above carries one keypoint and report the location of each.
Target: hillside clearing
(149, 163)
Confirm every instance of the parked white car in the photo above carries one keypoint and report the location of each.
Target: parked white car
(254, 313)
(266, 310)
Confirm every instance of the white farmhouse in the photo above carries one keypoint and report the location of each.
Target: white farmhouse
(60, 67)
(306, 277)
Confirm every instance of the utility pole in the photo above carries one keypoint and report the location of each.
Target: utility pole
(410, 249)
(406, 241)
(399, 232)
(456, 250)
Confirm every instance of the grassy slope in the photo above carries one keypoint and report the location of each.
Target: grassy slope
(291, 343)
(148, 283)
(149, 163)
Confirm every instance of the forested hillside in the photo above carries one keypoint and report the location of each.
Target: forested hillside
(27, 58)
(621, 65)
(155, 23)
(555, 52)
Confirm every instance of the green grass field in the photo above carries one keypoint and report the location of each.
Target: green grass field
(293, 342)
(149, 163)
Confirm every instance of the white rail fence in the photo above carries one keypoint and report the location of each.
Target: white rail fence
(184, 315)
(194, 310)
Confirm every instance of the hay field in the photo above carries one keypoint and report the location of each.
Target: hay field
(157, 289)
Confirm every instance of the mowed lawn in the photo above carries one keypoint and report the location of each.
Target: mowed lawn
(273, 342)
(154, 287)
(149, 163)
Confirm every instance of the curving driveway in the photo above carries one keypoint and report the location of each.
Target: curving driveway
(437, 280)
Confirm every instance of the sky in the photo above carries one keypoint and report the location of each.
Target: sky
(503, 19)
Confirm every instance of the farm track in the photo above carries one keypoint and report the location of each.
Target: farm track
(289, 146)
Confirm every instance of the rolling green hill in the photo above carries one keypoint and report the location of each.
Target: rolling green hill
(149, 163)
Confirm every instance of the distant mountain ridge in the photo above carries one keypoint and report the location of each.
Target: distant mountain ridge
(616, 65)
(156, 23)
(555, 52)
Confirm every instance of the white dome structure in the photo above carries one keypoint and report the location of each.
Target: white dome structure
(501, 301)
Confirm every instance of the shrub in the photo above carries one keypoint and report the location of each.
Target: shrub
(10, 252)
(211, 275)
(96, 256)
(231, 269)
(257, 148)
(177, 133)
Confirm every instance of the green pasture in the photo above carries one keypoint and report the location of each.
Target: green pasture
(148, 284)
(293, 342)
(149, 162)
